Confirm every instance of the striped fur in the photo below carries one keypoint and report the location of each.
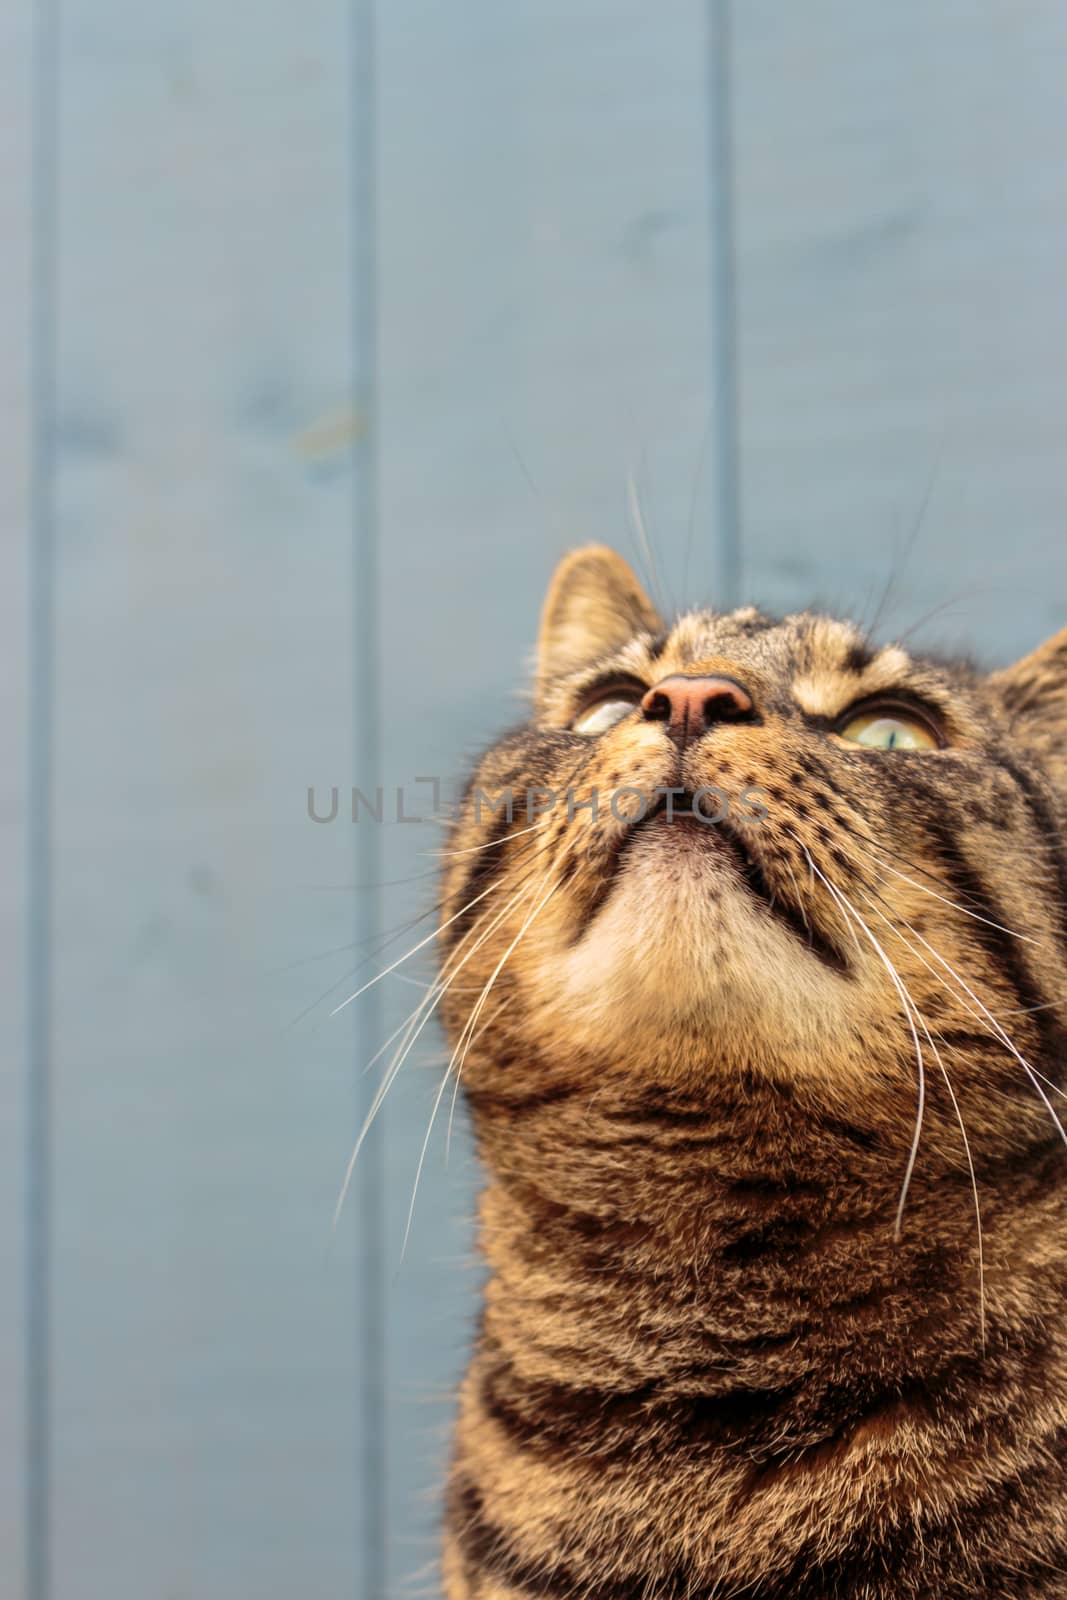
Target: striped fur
(708, 1363)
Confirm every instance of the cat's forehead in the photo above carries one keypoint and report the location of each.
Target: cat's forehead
(805, 642)
(820, 661)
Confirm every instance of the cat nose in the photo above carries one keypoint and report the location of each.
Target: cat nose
(691, 705)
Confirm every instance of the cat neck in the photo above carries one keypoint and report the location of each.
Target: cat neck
(748, 1235)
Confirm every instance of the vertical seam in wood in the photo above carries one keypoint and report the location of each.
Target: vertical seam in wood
(723, 309)
(40, 798)
(369, 1188)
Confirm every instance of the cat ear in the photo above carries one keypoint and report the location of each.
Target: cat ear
(594, 605)
(1034, 693)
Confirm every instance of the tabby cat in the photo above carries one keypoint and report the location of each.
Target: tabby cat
(757, 997)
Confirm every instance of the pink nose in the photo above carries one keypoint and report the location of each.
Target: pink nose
(690, 706)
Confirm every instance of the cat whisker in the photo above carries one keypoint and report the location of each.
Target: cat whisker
(383, 943)
(379, 1053)
(417, 1022)
(1036, 1078)
(901, 558)
(1046, 1005)
(1049, 1084)
(896, 928)
(324, 955)
(908, 1004)
(474, 1016)
(988, 1020)
(945, 608)
(466, 1035)
(1012, 932)
(411, 1027)
(917, 867)
(494, 844)
(963, 1133)
(430, 937)
(435, 993)
(491, 1018)
(918, 1016)
(382, 883)
(638, 518)
(798, 897)
(974, 1182)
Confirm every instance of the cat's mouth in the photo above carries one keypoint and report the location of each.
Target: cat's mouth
(739, 854)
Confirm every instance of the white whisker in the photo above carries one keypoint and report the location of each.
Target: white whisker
(907, 1003)
(1031, 1073)
(963, 1133)
(1012, 932)
(525, 860)
(642, 533)
(426, 1008)
(493, 844)
(448, 1070)
(1046, 1005)
(983, 1012)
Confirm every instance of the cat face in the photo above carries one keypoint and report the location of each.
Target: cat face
(740, 846)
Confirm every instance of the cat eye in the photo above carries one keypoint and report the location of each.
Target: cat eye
(887, 726)
(609, 706)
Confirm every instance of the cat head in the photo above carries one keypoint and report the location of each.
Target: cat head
(732, 847)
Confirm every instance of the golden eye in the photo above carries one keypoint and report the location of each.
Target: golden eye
(607, 711)
(885, 728)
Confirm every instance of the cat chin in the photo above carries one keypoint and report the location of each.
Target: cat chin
(680, 943)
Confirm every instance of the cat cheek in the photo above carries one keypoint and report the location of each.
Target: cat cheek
(753, 808)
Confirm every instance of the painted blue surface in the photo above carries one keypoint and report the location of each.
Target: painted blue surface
(15, 499)
(351, 323)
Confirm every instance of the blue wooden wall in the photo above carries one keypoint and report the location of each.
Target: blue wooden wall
(323, 331)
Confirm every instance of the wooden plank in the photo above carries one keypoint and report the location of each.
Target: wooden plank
(544, 319)
(902, 225)
(16, 66)
(205, 1405)
(544, 290)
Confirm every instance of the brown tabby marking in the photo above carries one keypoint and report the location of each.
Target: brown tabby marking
(709, 1363)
